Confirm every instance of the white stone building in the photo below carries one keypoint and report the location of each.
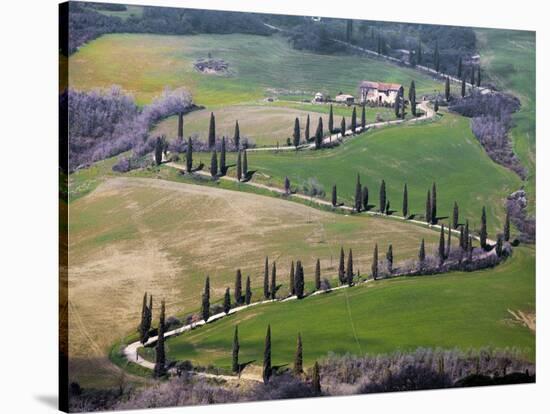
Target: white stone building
(378, 93)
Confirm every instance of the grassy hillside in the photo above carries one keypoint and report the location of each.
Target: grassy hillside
(133, 235)
(260, 66)
(266, 124)
(443, 151)
(509, 60)
(465, 310)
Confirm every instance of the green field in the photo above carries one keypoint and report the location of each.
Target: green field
(464, 310)
(444, 151)
(261, 66)
(267, 124)
(132, 235)
(509, 60)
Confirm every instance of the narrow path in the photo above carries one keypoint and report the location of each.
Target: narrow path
(429, 113)
(131, 353)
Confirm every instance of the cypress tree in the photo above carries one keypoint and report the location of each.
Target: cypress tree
(441, 249)
(306, 131)
(397, 105)
(330, 120)
(318, 275)
(379, 45)
(292, 282)
(145, 324)
(150, 313)
(160, 363)
(436, 105)
(382, 206)
(428, 208)
(463, 88)
(212, 131)
(266, 279)
(180, 125)
(237, 136)
(343, 126)
(349, 269)
(223, 165)
(267, 356)
(461, 240)
(498, 247)
(419, 52)
(478, 76)
(334, 196)
(296, 134)
(227, 301)
(472, 77)
(206, 300)
(470, 248)
(483, 230)
(447, 89)
(434, 205)
(466, 234)
(299, 280)
(353, 121)
(389, 259)
(358, 195)
(448, 251)
(235, 353)
(189, 156)
(248, 294)
(405, 202)
(319, 134)
(363, 117)
(387, 210)
(287, 186)
(341, 271)
(316, 379)
(273, 291)
(239, 166)
(214, 164)
(507, 226)
(158, 150)
(365, 198)
(298, 357)
(238, 287)
(459, 70)
(412, 98)
(245, 163)
(422, 253)
(374, 266)
(436, 56)
(455, 215)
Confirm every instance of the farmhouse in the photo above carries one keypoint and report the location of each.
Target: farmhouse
(378, 93)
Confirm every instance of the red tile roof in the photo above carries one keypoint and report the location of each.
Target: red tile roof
(382, 87)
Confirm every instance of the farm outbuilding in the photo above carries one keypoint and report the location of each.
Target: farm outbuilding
(344, 98)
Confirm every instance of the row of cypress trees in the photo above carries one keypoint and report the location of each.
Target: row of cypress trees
(345, 275)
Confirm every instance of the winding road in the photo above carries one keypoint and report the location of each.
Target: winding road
(429, 113)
